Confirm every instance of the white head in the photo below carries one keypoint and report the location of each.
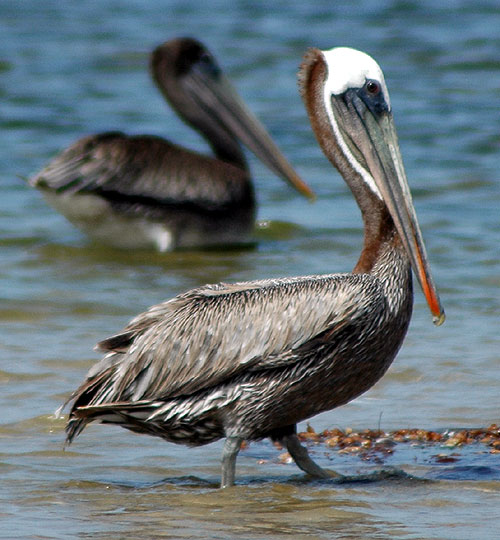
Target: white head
(349, 68)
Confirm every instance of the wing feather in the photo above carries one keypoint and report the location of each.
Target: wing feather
(210, 334)
(147, 169)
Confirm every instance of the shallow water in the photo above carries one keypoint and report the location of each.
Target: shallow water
(71, 69)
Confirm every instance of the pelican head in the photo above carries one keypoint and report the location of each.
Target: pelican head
(350, 111)
(191, 80)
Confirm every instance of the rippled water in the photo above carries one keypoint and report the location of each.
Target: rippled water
(69, 69)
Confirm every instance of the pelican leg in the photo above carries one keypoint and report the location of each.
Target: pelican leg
(231, 448)
(301, 457)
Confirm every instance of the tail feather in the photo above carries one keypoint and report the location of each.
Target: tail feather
(73, 428)
(126, 414)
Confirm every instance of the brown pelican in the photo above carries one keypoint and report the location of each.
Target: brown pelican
(250, 360)
(144, 191)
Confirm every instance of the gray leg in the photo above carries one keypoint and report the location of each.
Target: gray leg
(229, 453)
(301, 457)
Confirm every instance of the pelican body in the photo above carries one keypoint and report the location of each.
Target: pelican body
(146, 192)
(250, 360)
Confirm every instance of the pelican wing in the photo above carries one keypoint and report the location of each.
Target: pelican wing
(141, 169)
(210, 334)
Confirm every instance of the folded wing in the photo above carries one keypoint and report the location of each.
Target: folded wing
(208, 335)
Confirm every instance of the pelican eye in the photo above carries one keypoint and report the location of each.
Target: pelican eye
(205, 58)
(207, 64)
(372, 87)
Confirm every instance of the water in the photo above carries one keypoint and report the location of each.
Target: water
(69, 69)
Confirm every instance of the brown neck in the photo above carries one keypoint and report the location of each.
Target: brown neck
(379, 231)
(225, 147)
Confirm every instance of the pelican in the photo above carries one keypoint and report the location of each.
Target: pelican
(246, 361)
(146, 192)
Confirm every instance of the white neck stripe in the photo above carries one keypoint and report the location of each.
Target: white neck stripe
(365, 175)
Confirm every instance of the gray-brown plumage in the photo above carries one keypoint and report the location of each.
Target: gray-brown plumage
(250, 360)
(144, 191)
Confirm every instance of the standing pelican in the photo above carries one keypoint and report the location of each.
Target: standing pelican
(250, 360)
(144, 191)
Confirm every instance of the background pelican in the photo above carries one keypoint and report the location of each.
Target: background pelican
(144, 191)
(250, 360)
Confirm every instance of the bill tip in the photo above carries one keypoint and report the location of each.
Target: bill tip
(439, 319)
(305, 190)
